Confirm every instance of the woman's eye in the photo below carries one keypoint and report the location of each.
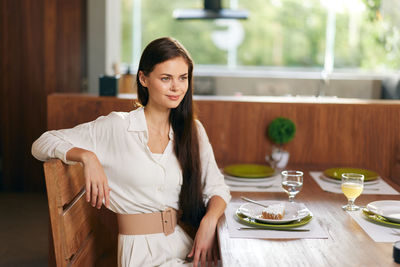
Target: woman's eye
(164, 78)
(184, 78)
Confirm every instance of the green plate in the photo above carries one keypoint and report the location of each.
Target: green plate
(249, 170)
(379, 219)
(336, 173)
(251, 222)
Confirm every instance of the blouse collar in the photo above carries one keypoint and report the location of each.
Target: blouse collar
(137, 123)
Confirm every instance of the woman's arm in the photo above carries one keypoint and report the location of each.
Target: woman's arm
(205, 246)
(212, 179)
(51, 144)
(73, 145)
(96, 183)
(216, 195)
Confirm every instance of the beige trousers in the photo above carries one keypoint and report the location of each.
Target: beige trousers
(154, 249)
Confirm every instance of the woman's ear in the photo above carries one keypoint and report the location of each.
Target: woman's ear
(142, 78)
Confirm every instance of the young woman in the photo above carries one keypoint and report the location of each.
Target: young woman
(147, 164)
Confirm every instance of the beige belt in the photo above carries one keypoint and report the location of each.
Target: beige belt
(147, 223)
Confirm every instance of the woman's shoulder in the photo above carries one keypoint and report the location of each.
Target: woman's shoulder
(201, 130)
(119, 115)
(131, 120)
(114, 116)
(112, 119)
(199, 125)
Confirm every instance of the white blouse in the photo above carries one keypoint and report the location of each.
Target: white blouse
(140, 181)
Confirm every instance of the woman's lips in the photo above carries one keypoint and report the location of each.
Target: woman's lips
(173, 97)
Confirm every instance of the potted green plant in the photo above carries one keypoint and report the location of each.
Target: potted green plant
(280, 131)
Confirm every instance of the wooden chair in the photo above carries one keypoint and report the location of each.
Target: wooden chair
(81, 235)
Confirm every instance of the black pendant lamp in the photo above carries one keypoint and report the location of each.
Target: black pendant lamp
(212, 10)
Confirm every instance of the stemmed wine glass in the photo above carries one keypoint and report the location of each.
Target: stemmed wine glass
(352, 187)
(292, 182)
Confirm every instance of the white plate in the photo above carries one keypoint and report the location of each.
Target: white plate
(389, 209)
(335, 181)
(269, 182)
(239, 179)
(293, 212)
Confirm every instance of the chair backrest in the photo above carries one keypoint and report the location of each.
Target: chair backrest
(82, 235)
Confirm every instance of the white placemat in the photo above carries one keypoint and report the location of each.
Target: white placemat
(381, 188)
(378, 233)
(316, 231)
(273, 184)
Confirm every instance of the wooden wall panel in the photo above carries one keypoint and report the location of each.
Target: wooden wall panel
(71, 45)
(42, 50)
(356, 135)
(364, 135)
(81, 108)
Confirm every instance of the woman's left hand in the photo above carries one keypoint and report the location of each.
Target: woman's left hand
(205, 245)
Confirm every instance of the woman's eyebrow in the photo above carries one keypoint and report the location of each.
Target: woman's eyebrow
(168, 74)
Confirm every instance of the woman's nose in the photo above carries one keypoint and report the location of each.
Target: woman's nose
(174, 85)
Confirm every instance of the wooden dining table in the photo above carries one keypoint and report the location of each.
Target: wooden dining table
(347, 243)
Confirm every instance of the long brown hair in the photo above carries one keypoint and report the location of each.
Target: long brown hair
(182, 120)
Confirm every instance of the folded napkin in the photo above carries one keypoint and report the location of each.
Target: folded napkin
(316, 231)
(378, 233)
(380, 188)
(272, 184)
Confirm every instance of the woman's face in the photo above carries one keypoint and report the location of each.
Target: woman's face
(167, 83)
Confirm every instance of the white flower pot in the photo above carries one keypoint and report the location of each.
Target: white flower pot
(279, 158)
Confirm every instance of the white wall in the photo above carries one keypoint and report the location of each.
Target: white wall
(104, 38)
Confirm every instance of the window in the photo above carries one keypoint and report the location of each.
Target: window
(312, 34)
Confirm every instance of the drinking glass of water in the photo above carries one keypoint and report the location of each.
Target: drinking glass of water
(352, 187)
(292, 182)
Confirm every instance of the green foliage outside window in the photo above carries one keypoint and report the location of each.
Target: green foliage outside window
(279, 33)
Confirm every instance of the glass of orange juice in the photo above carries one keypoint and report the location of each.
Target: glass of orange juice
(352, 187)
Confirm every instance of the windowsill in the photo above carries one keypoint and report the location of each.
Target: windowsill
(282, 99)
(283, 72)
(289, 73)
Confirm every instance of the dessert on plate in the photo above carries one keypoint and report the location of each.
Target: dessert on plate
(274, 212)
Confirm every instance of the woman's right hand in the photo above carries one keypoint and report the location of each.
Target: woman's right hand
(96, 182)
